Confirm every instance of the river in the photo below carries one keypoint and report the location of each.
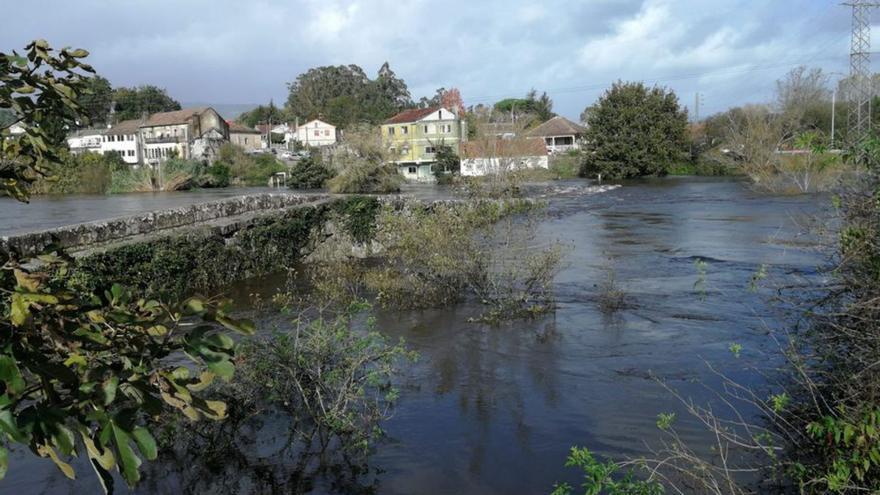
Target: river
(494, 410)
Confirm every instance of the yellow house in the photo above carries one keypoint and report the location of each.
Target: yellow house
(413, 137)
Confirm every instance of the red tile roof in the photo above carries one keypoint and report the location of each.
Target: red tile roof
(557, 126)
(411, 115)
(173, 118)
(508, 148)
(241, 129)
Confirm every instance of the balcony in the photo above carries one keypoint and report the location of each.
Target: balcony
(163, 139)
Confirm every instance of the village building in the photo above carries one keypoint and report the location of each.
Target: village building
(244, 136)
(496, 155)
(122, 138)
(559, 134)
(414, 136)
(315, 133)
(190, 134)
(279, 133)
(504, 130)
(85, 140)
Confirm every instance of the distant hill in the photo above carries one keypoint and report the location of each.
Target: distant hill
(228, 111)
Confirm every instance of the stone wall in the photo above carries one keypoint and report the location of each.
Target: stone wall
(99, 233)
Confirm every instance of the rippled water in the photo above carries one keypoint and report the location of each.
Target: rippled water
(495, 410)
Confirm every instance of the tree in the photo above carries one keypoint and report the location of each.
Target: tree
(309, 173)
(262, 115)
(542, 106)
(345, 96)
(633, 131)
(391, 89)
(133, 103)
(451, 100)
(41, 90)
(97, 99)
(801, 88)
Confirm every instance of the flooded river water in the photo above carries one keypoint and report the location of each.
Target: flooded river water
(494, 410)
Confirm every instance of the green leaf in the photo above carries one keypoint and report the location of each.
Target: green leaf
(109, 388)
(224, 369)
(78, 53)
(131, 463)
(145, 442)
(10, 374)
(19, 313)
(4, 462)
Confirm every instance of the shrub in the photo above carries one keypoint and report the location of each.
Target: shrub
(633, 131)
(84, 173)
(309, 173)
(362, 165)
(251, 170)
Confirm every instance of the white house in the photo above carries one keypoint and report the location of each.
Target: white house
(84, 140)
(314, 133)
(122, 138)
(497, 155)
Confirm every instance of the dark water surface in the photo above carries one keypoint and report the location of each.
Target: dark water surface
(495, 410)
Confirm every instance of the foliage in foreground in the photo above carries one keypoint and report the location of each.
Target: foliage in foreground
(86, 374)
(41, 89)
(604, 478)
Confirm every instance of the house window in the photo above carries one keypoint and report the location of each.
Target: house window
(326, 132)
(426, 129)
(404, 130)
(130, 152)
(430, 149)
(317, 133)
(446, 128)
(390, 131)
(411, 171)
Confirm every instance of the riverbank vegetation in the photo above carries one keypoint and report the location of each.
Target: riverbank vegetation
(363, 165)
(425, 256)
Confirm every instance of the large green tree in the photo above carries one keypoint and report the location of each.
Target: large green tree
(345, 96)
(97, 99)
(132, 103)
(262, 114)
(634, 130)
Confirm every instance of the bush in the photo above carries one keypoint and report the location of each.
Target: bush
(362, 165)
(309, 173)
(634, 131)
(251, 170)
(84, 173)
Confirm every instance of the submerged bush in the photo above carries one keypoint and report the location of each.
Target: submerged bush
(444, 253)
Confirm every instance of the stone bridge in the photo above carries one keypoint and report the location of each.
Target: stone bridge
(224, 216)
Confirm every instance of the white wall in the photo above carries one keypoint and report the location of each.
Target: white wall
(314, 133)
(483, 166)
(124, 144)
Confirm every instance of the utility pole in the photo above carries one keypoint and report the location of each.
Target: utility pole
(860, 70)
(698, 100)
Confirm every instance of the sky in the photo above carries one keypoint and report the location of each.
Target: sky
(230, 52)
